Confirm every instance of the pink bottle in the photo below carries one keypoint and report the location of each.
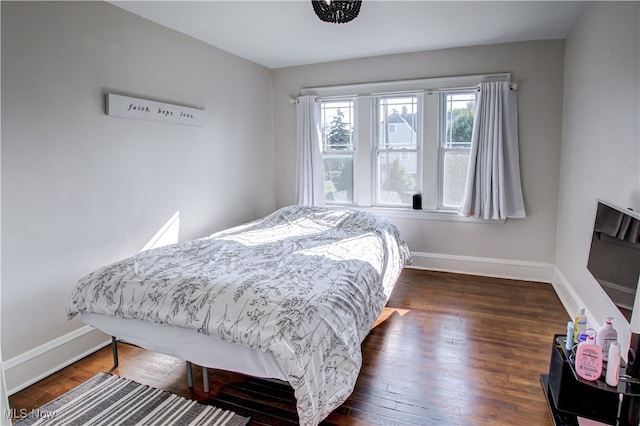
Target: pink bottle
(589, 359)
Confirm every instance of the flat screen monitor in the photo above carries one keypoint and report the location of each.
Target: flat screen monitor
(614, 256)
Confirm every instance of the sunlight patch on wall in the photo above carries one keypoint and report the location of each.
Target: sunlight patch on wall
(168, 234)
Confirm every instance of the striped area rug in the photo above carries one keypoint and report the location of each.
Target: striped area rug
(110, 400)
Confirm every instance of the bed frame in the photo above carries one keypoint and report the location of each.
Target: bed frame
(196, 348)
(205, 370)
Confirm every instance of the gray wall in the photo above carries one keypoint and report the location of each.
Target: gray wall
(600, 145)
(81, 189)
(538, 67)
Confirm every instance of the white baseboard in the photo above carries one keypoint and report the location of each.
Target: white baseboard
(489, 267)
(571, 300)
(567, 295)
(36, 364)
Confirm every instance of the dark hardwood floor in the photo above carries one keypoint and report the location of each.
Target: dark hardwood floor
(448, 350)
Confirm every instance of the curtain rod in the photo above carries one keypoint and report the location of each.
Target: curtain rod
(512, 86)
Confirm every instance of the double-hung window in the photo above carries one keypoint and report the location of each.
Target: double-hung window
(338, 120)
(397, 149)
(457, 110)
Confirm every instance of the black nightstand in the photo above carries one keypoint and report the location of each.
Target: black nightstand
(570, 396)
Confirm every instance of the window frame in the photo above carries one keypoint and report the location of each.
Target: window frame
(364, 181)
(441, 141)
(352, 151)
(376, 149)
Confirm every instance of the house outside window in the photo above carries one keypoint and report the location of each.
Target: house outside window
(398, 141)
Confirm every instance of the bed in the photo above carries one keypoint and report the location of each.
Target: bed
(290, 296)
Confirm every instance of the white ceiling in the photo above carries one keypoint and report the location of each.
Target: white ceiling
(285, 33)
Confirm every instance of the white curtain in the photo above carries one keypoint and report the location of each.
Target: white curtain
(493, 190)
(309, 177)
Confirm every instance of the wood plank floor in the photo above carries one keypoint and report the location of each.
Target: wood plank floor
(448, 350)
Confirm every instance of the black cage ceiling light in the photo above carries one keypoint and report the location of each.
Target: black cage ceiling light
(336, 12)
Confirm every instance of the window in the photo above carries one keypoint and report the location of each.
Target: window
(457, 110)
(338, 148)
(384, 142)
(397, 152)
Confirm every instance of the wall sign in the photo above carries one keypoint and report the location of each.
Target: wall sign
(128, 107)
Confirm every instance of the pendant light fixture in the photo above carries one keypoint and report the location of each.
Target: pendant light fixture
(336, 12)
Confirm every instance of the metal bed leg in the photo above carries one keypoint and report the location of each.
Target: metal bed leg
(189, 375)
(205, 379)
(114, 348)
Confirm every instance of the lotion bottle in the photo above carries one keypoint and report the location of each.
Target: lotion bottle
(606, 335)
(613, 366)
(589, 359)
(579, 325)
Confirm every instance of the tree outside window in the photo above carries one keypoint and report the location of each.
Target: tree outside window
(455, 148)
(337, 144)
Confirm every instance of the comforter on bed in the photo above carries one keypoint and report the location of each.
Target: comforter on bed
(304, 284)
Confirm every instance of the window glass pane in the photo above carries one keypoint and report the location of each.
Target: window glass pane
(398, 122)
(454, 176)
(460, 109)
(338, 177)
(337, 121)
(397, 177)
(457, 115)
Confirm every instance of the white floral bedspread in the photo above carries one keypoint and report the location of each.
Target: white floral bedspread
(304, 284)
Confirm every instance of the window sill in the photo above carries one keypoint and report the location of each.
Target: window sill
(407, 213)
